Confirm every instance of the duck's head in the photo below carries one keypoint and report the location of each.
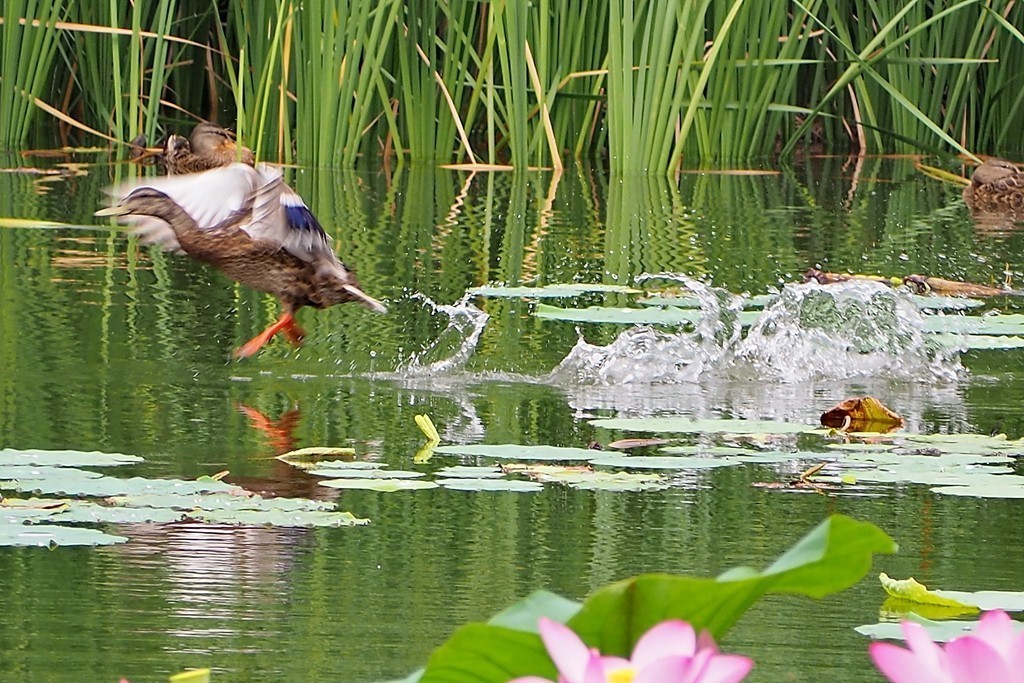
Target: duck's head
(210, 139)
(992, 171)
(144, 201)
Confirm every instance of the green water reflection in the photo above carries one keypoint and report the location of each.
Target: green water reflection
(105, 345)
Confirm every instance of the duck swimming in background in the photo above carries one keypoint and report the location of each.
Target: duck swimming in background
(997, 185)
(209, 147)
(246, 222)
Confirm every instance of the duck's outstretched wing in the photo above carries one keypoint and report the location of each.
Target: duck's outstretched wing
(210, 198)
(279, 215)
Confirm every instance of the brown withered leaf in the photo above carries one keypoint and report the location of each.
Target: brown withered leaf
(865, 414)
(625, 444)
(922, 284)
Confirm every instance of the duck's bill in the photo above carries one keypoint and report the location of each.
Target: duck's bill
(365, 299)
(116, 210)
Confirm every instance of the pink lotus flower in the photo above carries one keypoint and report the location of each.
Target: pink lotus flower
(668, 653)
(993, 652)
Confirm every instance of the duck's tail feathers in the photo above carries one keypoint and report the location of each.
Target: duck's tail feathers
(365, 299)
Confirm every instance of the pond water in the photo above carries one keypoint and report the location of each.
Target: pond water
(109, 346)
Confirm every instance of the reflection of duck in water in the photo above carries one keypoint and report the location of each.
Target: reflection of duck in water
(246, 222)
(996, 186)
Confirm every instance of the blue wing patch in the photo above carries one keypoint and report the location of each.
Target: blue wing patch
(302, 219)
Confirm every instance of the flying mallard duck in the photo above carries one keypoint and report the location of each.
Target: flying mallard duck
(246, 222)
(997, 185)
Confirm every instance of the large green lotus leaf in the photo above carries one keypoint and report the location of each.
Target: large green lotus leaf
(1007, 323)
(549, 291)
(911, 590)
(621, 316)
(523, 615)
(514, 485)
(9, 456)
(352, 473)
(687, 425)
(980, 342)
(48, 535)
(834, 556)
(279, 518)
(470, 472)
(518, 452)
(220, 501)
(661, 462)
(1008, 487)
(381, 485)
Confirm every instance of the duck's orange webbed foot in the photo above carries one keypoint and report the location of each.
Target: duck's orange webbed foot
(286, 324)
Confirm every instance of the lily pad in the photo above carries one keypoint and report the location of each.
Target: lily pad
(687, 425)
(1007, 323)
(344, 473)
(515, 485)
(381, 485)
(661, 462)
(549, 291)
(621, 316)
(520, 452)
(606, 481)
(938, 631)
(470, 472)
(279, 518)
(72, 482)
(980, 342)
(220, 501)
(48, 535)
(91, 513)
(9, 456)
(1010, 487)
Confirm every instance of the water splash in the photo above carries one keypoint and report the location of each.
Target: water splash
(810, 332)
(455, 344)
(854, 329)
(645, 355)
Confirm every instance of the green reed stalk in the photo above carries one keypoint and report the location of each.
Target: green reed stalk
(26, 56)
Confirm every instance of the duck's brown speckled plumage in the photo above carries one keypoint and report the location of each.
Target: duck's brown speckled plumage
(263, 236)
(209, 146)
(996, 186)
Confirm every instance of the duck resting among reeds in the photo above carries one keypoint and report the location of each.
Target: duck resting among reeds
(209, 147)
(996, 186)
(246, 222)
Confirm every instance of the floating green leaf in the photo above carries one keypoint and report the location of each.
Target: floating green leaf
(662, 462)
(46, 535)
(1006, 323)
(279, 518)
(980, 342)
(9, 456)
(549, 291)
(519, 452)
(470, 472)
(354, 473)
(939, 631)
(687, 425)
(1007, 487)
(606, 481)
(514, 485)
(381, 485)
(621, 316)
(219, 501)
